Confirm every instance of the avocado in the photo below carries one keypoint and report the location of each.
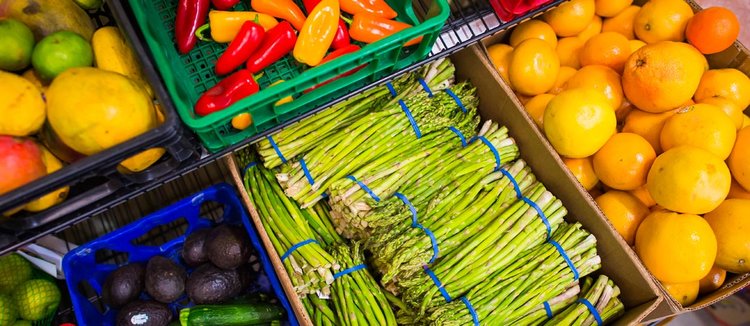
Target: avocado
(165, 280)
(144, 313)
(193, 251)
(228, 247)
(209, 284)
(123, 285)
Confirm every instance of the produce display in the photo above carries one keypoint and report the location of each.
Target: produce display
(25, 297)
(69, 91)
(625, 95)
(421, 215)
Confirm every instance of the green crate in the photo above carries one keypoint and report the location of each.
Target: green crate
(188, 76)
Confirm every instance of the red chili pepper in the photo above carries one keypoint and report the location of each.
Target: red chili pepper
(239, 50)
(229, 90)
(224, 4)
(333, 55)
(277, 43)
(341, 39)
(191, 14)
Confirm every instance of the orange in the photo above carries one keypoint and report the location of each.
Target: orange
(676, 248)
(642, 194)
(583, 170)
(624, 211)
(714, 280)
(533, 67)
(562, 79)
(662, 20)
(736, 191)
(500, 54)
(535, 107)
(568, 49)
(622, 22)
(688, 179)
(578, 122)
(623, 162)
(570, 18)
(728, 107)
(700, 125)
(593, 28)
(609, 49)
(713, 30)
(729, 83)
(739, 158)
(731, 224)
(635, 45)
(648, 125)
(661, 76)
(684, 293)
(601, 79)
(610, 8)
(534, 28)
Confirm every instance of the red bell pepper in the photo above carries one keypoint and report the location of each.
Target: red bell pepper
(191, 14)
(239, 50)
(341, 39)
(333, 55)
(277, 43)
(224, 4)
(229, 90)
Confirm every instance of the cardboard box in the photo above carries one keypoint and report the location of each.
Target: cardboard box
(639, 293)
(737, 57)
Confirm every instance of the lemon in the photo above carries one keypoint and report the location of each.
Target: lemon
(36, 299)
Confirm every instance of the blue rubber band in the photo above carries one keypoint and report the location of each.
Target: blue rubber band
(391, 89)
(297, 246)
(425, 87)
(276, 148)
(309, 177)
(492, 148)
(548, 310)
(349, 271)
(541, 215)
(411, 118)
(413, 210)
(565, 256)
(455, 98)
(460, 136)
(415, 224)
(592, 309)
(474, 316)
(364, 187)
(249, 165)
(510, 177)
(439, 285)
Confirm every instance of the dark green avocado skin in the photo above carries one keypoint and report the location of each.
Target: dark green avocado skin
(209, 284)
(123, 285)
(228, 247)
(193, 251)
(144, 313)
(165, 280)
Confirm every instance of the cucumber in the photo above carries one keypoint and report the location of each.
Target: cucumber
(230, 315)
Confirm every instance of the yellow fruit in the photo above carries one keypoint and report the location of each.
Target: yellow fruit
(242, 121)
(622, 22)
(745, 121)
(642, 194)
(610, 8)
(142, 160)
(690, 180)
(34, 78)
(578, 122)
(601, 79)
(562, 79)
(21, 106)
(535, 107)
(109, 109)
(739, 159)
(729, 107)
(648, 125)
(684, 293)
(728, 83)
(592, 29)
(571, 17)
(534, 28)
(283, 100)
(676, 248)
(500, 54)
(49, 16)
(635, 45)
(700, 125)
(112, 53)
(583, 170)
(662, 20)
(731, 224)
(53, 198)
(714, 280)
(624, 161)
(533, 67)
(662, 76)
(568, 50)
(624, 211)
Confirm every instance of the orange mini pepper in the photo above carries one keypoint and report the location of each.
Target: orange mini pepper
(284, 9)
(376, 7)
(225, 25)
(369, 28)
(317, 34)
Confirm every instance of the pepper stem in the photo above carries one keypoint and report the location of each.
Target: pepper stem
(200, 35)
(346, 19)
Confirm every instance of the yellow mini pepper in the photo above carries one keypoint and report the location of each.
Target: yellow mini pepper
(225, 24)
(317, 33)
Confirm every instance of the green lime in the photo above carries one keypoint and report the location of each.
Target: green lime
(59, 51)
(8, 311)
(14, 270)
(16, 44)
(36, 299)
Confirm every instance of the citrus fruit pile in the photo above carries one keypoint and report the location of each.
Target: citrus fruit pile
(625, 95)
(22, 297)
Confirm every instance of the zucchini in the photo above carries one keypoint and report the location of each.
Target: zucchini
(230, 315)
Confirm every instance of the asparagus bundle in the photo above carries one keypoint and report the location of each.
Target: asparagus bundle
(380, 135)
(356, 214)
(602, 295)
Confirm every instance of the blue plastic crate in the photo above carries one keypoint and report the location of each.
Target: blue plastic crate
(80, 264)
